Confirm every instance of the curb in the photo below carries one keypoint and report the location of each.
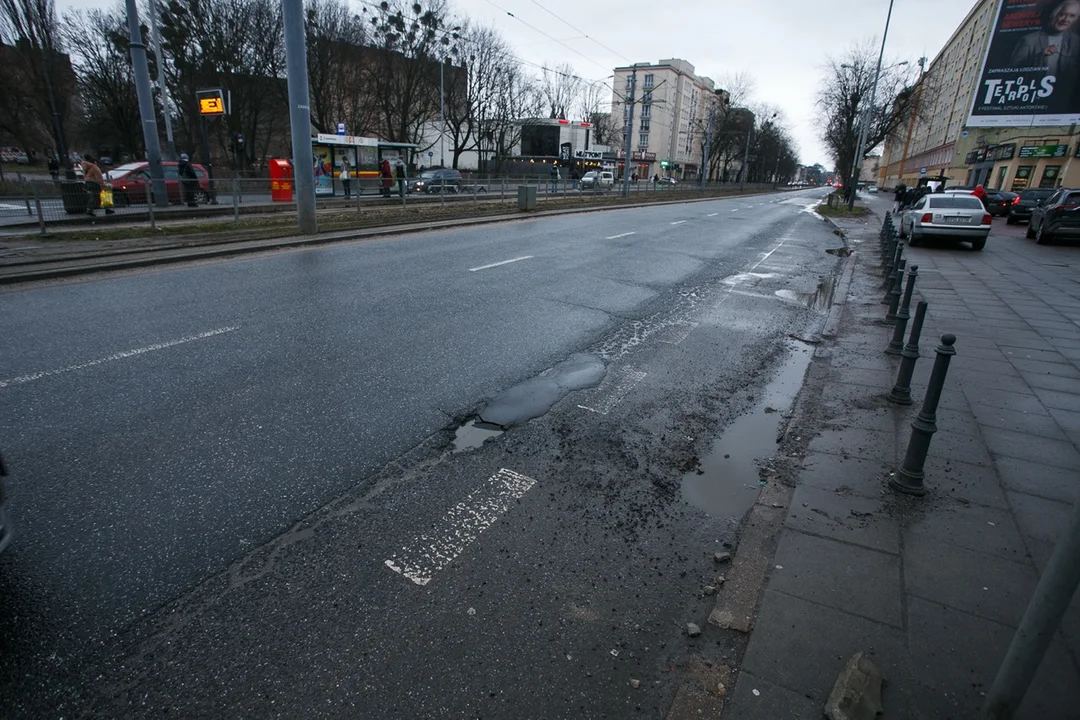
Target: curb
(836, 312)
(181, 252)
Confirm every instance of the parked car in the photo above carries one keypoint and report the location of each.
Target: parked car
(1056, 217)
(13, 155)
(668, 181)
(131, 181)
(873, 190)
(433, 181)
(1025, 202)
(947, 215)
(598, 180)
(997, 202)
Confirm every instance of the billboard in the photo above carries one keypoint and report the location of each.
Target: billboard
(1031, 70)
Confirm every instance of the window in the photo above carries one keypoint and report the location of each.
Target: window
(649, 80)
(644, 125)
(646, 111)
(960, 202)
(643, 140)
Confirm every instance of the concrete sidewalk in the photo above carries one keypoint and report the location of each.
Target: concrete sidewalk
(934, 587)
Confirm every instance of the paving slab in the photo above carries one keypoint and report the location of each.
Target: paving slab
(758, 699)
(1059, 453)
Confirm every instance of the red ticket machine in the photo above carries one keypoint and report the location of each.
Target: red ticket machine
(281, 180)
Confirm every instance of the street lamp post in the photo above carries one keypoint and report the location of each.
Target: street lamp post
(856, 170)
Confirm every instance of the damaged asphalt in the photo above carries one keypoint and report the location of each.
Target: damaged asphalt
(206, 531)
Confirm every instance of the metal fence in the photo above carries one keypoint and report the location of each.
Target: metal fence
(38, 204)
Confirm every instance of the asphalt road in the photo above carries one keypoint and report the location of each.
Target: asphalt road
(235, 491)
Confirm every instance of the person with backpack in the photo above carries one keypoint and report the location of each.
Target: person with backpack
(189, 181)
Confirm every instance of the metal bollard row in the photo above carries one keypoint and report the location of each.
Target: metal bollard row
(901, 315)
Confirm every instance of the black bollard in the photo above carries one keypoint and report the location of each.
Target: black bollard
(894, 256)
(909, 478)
(896, 346)
(901, 392)
(894, 279)
(894, 294)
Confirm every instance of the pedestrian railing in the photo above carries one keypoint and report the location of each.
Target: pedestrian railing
(38, 203)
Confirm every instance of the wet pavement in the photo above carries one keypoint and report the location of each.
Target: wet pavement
(446, 474)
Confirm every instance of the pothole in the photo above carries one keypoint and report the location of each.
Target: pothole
(536, 396)
(475, 433)
(727, 481)
(819, 300)
(839, 252)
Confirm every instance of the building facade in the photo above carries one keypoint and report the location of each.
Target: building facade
(935, 141)
(671, 111)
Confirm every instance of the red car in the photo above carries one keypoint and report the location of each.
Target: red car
(130, 183)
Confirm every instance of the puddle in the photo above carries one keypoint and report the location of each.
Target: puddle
(820, 299)
(839, 252)
(727, 482)
(536, 396)
(472, 434)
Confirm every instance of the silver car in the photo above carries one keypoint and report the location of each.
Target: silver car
(946, 215)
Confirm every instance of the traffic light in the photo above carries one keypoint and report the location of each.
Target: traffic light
(663, 164)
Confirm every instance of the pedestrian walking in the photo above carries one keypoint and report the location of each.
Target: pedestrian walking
(346, 179)
(400, 173)
(655, 180)
(387, 177)
(189, 181)
(555, 178)
(574, 177)
(898, 197)
(92, 181)
(54, 167)
(633, 178)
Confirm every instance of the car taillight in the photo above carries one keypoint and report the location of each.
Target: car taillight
(1016, 200)
(927, 217)
(988, 219)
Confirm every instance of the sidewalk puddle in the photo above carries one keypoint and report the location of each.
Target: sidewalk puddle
(472, 434)
(820, 299)
(727, 481)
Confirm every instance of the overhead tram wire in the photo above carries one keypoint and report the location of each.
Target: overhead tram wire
(575, 29)
(549, 37)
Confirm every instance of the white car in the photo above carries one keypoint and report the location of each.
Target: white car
(961, 217)
(598, 180)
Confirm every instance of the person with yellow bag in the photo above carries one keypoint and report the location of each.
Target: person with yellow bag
(107, 198)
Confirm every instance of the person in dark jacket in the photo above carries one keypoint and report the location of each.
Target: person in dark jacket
(387, 176)
(189, 181)
(399, 172)
(898, 197)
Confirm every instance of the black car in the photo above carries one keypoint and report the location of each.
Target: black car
(998, 202)
(433, 181)
(1056, 217)
(1025, 202)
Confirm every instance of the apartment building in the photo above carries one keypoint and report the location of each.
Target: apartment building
(936, 140)
(670, 116)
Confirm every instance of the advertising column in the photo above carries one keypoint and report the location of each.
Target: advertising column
(1031, 68)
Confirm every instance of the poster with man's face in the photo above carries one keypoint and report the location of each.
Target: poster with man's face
(1031, 72)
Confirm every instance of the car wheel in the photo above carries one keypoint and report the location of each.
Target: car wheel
(1030, 232)
(978, 244)
(202, 197)
(1042, 236)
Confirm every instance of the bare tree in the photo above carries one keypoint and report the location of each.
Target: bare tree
(844, 101)
(46, 83)
(731, 125)
(560, 88)
(106, 81)
(335, 50)
(516, 98)
(483, 56)
(403, 69)
(594, 106)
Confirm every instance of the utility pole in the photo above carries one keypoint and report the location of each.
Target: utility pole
(146, 106)
(708, 146)
(299, 114)
(746, 156)
(629, 133)
(442, 113)
(166, 106)
(857, 170)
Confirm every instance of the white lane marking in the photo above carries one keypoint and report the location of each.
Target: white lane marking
(625, 234)
(612, 395)
(712, 214)
(118, 356)
(735, 209)
(504, 262)
(677, 332)
(464, 522)
(678, 222)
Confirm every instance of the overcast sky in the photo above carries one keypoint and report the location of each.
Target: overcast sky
(781, 43)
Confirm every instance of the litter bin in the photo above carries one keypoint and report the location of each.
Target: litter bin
(526, 197)
(73, 194)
